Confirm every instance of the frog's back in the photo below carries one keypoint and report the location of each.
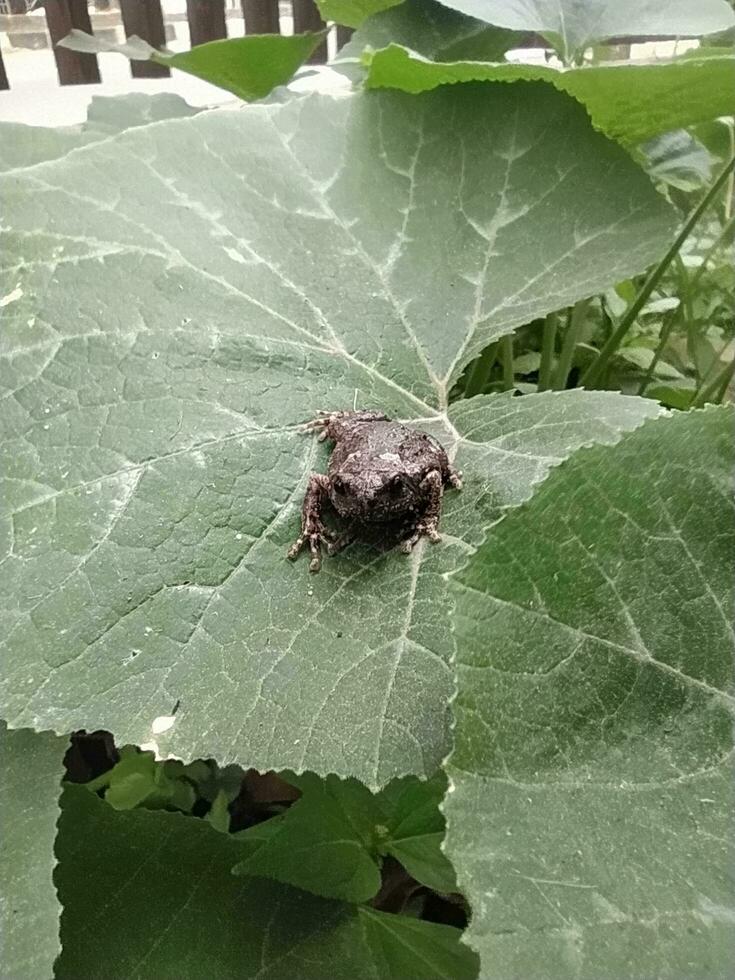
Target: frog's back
(387, 445)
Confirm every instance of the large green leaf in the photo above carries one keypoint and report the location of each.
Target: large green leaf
(165, 331)
(573, 25)
(249, 67)
(590, 818)
(630, 102)
(150, 894)
(31, 766)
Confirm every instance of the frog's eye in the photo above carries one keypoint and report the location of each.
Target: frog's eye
(395, 486)
(339, 485)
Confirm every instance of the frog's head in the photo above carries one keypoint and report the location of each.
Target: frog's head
(378, 495)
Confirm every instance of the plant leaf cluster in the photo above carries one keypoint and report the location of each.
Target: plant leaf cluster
(530, 722)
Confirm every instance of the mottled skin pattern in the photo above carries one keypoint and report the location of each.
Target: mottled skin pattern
(380, 471)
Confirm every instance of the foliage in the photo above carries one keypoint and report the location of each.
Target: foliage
(570, 26)
(184, 496)
(157, 890)
(353, 12)
(249, 67)
(594, 731)
(180, 291)
(631, 102)
(31, 768)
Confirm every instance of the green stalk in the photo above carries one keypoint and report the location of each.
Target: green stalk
(571, 337)
(663, 339)
(715, 390)
(730, 189)
(507, 351)
(595, 369)
(685, 288)
(727, 378)
(714, 247)
(547, 351)
(480, 374)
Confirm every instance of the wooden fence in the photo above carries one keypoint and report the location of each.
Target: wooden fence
(207, 21)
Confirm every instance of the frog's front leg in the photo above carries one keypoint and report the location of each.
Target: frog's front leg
(432, 488)
(330, 425)
(313, 531)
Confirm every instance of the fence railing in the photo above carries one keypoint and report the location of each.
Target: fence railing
(207, 21)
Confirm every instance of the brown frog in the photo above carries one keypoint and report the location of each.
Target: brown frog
(380, 472)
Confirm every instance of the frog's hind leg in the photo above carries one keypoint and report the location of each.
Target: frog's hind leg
(313, 531)
(329, 424)
(341, 542)
(433, 486)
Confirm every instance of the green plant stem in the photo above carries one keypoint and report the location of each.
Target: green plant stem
(714, 247)
(727, 378)
(685, 289)
(480, 374)
(507, 352)
(595, 369)
(571, 337)
(663, 339)
(551, 324)
(730, 189)
(715, 390)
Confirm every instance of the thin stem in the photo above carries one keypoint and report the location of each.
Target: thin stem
(663, 339)
(716, 389)
(507, 352)
(602, 360)
(480, 374)
(685, 289)
(714, 247)
(727, 378)
(551, 324)
(571, 337)
(730, 189)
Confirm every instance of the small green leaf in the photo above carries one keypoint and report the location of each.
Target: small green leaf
(324, 843)
(249, 67)
(352, 12)
(678, 159)
(138, 779)
(416, 831)
(332, 840)
(641, 357)
(672, 396)
(590, 820)
(630, 102)
(149, 895)
(31, 767)
(219, 815)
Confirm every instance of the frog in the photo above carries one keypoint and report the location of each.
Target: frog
(380, 473)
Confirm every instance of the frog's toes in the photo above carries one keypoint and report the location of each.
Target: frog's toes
(425, 529)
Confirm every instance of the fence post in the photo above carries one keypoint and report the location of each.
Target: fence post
(73, 67)
(206, 20)
(306, 17)
(144, 18)
(343, 35)
(261, 16)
